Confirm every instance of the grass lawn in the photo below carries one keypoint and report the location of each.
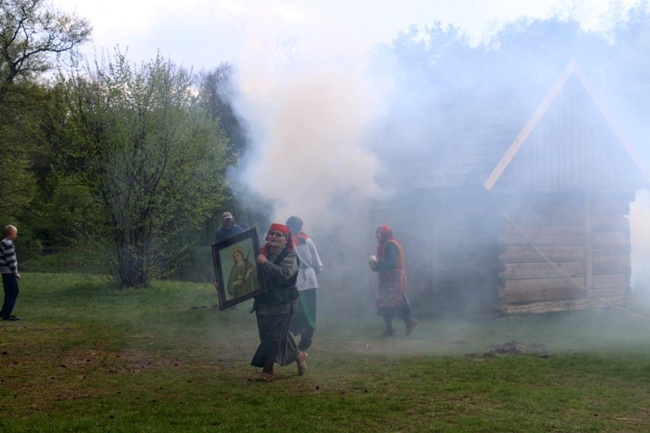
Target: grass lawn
(88, 358)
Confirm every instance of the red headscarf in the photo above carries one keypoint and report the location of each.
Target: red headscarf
(281, 228)
(385, 234)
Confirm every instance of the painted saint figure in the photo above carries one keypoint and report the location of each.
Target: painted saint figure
(243, 275)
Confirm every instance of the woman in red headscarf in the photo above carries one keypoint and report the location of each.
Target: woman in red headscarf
(274, 308)
(391, 294)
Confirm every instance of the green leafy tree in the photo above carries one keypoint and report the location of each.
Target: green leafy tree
(64, 213)
(32, 35)
(218, 89)
(21, 146)
(218, 93)
(151, 155)
(17, 183)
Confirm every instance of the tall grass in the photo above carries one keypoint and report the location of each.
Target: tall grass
(89, 358)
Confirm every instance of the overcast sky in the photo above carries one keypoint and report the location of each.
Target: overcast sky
(203, 33)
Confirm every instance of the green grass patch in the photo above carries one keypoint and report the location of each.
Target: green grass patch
(80, 261)
(90, 358)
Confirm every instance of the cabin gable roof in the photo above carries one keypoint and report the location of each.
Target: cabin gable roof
(568, 140)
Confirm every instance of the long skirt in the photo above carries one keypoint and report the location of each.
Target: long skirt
(305, 317)
(392, 289)
(403, 311)
(304, 321)
(276, 343)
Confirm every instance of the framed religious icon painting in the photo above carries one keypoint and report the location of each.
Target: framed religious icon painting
(238, 274)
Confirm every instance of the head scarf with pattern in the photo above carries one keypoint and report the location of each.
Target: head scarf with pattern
(280, 228)
(385, 235)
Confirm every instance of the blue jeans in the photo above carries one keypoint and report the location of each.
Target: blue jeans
(10, 284)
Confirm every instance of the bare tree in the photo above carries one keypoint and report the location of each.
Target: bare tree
(31, 32)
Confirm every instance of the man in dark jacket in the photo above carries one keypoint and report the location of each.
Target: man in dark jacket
(228, 229)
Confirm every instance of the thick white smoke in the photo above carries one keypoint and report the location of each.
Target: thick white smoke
(308, 111)
(308, 153)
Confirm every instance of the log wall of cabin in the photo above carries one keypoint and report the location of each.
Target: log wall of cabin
(573, 253)
(611, 249)
(464, 260)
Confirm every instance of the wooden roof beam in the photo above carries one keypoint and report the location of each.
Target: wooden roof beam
(572, 68)
(530, 125)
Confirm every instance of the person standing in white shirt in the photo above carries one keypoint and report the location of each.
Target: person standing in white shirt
(304, 320)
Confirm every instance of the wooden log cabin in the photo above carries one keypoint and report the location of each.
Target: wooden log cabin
(516, 207)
